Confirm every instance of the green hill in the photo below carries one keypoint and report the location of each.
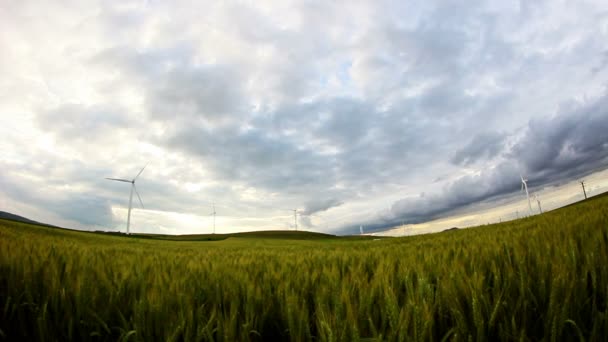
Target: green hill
(12, 217)
(269, 234)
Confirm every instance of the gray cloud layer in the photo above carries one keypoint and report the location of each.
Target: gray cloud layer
(326, 107)
(570, 144)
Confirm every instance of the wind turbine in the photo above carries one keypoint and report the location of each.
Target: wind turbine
(361, 229)
(524, 186)
(540, 210)
(130, 196)
(295, 218)
(213, 213)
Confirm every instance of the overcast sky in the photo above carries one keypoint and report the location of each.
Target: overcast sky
(354, 112)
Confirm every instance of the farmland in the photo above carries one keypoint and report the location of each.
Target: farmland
(543, 277)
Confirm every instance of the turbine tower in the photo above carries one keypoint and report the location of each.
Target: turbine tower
(133, 188)
(361, 229)
(540, 210)
(213, 213)
(584, 191)
(524, 186)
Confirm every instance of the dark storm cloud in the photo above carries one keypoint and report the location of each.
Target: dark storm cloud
(560, 148)
(462, 192)
(572, 142)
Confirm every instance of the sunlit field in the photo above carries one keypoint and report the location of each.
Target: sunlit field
(544, 277)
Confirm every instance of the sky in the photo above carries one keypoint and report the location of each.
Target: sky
(373, 113)
(508, 208)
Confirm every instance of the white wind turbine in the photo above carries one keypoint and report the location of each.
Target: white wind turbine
(295, 217)
(131, 196)
(540, 210)
(361, 229)
(213, 213)
(524, 186)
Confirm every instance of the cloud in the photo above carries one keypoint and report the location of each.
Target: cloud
(602, 63)
(483, 146)
(313, 207)
(253, 157)
(502, 179)
(270, 105)
(76, 121)
(207, 92)
(556, 148)
(85, 208)
(573, 139)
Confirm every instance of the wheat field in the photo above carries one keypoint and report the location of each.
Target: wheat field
(540, 278)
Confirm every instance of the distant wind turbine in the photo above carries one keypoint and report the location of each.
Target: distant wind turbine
(524, 186)
(213, 213)
(540, 210)
(130, 196)
(295, 216)
(361, 229)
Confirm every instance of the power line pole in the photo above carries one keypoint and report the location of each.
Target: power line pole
(584, 192)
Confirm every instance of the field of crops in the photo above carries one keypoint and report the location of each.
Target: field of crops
(544, 277)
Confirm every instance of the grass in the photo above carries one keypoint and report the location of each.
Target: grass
(540, 278)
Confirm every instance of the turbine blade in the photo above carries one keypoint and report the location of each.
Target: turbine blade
(140, 202)
(142, 170)
(119, 180)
